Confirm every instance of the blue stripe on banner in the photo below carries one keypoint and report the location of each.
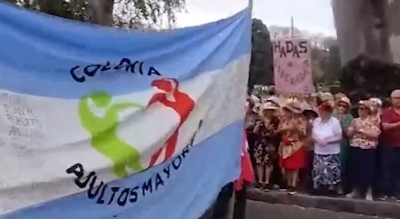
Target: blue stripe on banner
(192, 186)
(40, 54)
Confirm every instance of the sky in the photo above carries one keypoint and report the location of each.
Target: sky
(311, 15)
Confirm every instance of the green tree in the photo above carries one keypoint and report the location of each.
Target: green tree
(126, 13)
(261, 72)
(333, 65)
(319, 63)
(364, 77)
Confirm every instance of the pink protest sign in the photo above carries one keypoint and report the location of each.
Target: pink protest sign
(292, 66)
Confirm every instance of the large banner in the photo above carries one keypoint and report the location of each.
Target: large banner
(292, 66)
(104, 123)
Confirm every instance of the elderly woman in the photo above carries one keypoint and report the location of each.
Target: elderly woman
(266, 144)
(345, 118)
(327, 134)
(363, 133)
(310, 114)
(291, 149)
(276, 175)
(250, 122)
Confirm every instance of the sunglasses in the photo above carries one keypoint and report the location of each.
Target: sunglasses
(342, 105)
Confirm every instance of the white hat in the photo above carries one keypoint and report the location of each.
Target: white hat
(345, 100)
(275, 100)
(376, 101)
(293, 106)
(255, 99)
(269, 106)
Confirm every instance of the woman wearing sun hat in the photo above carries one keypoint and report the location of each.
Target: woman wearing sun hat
(343, 106)
(251, 118)
(310, 114)
(266, 144)
(291, 149)
(363, 133)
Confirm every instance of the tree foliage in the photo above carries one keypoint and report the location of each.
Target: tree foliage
(148, 13)
(75, 10)
(123, 13)
(333, 65)
(261, 55)
(364, 77)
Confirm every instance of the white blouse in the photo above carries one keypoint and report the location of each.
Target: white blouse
(324, 130)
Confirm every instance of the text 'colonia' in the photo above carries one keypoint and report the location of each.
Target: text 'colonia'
(79, 73)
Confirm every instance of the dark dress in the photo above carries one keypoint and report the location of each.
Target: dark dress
(267, 142)
(251, 137)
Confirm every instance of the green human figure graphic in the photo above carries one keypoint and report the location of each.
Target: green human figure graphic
(104, 132)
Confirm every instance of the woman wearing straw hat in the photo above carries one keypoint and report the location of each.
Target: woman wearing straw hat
(252, 110)
(363, 133)
(266, 143)
(291, 149)
(343, 106)
(310, 114)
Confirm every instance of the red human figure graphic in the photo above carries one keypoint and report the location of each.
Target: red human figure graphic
(175, 99)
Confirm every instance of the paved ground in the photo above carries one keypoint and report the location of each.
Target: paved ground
(261, 210)
(354, 206)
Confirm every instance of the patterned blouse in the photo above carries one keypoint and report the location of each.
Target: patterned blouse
(292, 140)
(268, 129)
(361, 140)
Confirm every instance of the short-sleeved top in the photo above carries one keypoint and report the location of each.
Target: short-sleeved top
(360, 140)
(327, 129)
(390, 137)
(295, 137)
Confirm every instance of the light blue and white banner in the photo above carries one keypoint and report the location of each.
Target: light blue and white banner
(102, 123)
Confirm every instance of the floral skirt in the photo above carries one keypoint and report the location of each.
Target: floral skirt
(326, 169)
(265, 154)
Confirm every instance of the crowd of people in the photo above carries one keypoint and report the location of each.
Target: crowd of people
(323, 147)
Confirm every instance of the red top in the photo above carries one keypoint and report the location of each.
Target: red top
(247, 174)
(390, 137)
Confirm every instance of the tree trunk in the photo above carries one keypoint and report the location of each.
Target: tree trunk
(362, 27)
(101, 12)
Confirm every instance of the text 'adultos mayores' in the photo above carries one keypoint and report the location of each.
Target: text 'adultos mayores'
(103, 193)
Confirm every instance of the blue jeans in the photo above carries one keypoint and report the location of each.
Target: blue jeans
(390, 170)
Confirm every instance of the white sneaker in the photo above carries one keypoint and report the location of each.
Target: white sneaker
(369, 196)
(351, 195)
